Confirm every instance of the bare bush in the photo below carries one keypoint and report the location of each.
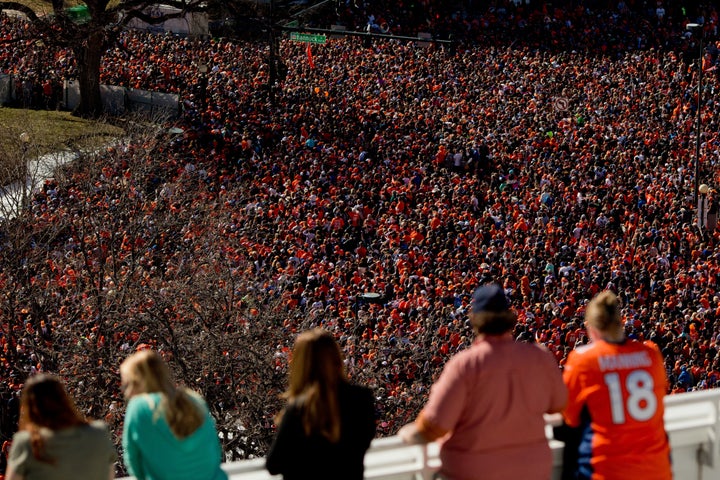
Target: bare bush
(115, 253)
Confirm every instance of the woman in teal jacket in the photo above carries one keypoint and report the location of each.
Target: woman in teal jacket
(168, 431)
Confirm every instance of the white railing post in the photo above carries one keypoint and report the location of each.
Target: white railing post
(715, 442)
(693, 424)
(427, 473)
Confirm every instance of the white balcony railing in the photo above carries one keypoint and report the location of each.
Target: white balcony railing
(692, 421)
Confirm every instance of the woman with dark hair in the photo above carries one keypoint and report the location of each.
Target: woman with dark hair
(328, 423)
(54, 440)
(168, 431)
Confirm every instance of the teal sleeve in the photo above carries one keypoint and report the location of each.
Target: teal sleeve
(212, 431)
(217, 448)
(132, 455)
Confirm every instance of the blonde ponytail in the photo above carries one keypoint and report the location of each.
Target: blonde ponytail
(603, 313)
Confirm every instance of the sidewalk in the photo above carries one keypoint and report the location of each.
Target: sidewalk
(16, 195)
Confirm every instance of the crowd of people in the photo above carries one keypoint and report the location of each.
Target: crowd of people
(385, 182)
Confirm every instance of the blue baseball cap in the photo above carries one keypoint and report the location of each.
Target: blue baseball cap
(490, 299)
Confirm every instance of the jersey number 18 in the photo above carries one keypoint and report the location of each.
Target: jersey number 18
(641, 402)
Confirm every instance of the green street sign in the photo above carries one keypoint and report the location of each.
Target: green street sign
(307, 37)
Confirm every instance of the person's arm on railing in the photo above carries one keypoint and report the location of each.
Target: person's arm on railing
(411, 435)
(421, 431)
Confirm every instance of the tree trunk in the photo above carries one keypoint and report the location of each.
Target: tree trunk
(89, 56)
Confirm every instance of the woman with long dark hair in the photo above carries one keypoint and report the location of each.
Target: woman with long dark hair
(55, 441)
(168, 431)
(328, 423)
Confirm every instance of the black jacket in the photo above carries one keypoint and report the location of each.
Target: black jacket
(299, 457)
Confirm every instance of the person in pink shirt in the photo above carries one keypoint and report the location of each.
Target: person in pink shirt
(487, 407)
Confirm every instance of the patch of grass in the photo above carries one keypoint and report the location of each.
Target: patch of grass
(49, 131)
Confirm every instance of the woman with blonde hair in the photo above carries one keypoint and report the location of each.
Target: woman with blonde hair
(615, 411)
(168, 431)
(328, 423)
(55, 441)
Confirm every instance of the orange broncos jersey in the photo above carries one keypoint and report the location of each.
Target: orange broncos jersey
(616, 395)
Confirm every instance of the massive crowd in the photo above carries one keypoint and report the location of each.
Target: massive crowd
(384, 183)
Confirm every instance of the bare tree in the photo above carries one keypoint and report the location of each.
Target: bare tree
(115, 253)
(90, 38)
(15, 170)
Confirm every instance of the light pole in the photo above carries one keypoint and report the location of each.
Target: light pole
(203, 69)
(702, 207)
(696, 27)
(24, 146)
(25, 139)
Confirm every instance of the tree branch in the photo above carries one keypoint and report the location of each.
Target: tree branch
(133, 9)
(19, 7)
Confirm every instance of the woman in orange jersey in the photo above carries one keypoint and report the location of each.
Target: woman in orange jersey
(615, 409)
